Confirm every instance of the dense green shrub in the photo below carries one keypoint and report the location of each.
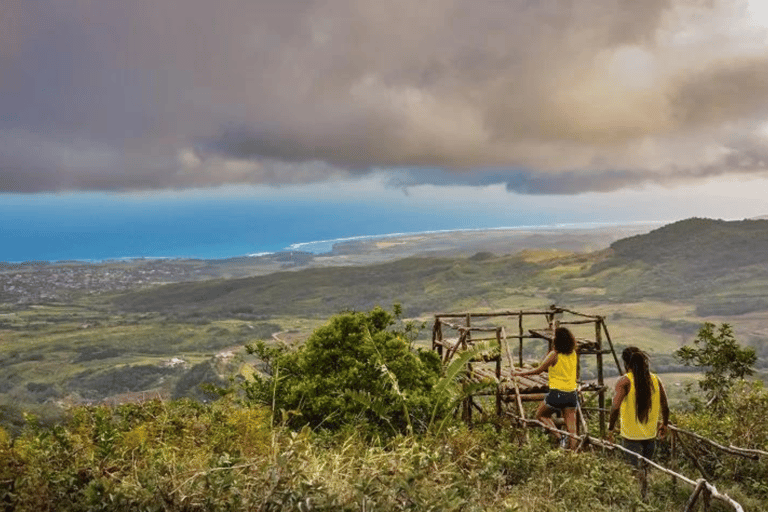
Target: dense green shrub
(355, 369)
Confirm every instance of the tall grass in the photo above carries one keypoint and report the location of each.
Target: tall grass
(183, 456)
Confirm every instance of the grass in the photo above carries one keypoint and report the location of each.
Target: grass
(180, 456)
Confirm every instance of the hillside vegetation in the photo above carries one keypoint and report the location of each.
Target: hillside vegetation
(712, 263)
(656, 289)
(719, 265)
(302, 437)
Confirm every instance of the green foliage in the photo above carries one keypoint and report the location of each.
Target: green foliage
(741, 421)
(181, 456)
(717, 352)
(353, 368)
(125, 458)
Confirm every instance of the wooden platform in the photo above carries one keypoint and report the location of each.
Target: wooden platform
(531, 387)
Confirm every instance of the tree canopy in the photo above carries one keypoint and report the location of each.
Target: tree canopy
(724, 361)
(357, 366)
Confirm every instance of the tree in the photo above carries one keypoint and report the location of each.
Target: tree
(721, 357)
(356, 367)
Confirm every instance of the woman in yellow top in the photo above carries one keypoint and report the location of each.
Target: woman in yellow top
(639, 397)
(561, 363)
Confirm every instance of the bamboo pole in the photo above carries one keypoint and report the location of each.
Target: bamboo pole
(576, 322)
(700, 485)
(462, 328)
(520, 330)
(732, 450)
(610, 343)
(759, 453)
(518, 398)
(575, 313)
(748, 453)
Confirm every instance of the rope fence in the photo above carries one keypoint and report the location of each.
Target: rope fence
(701, 487)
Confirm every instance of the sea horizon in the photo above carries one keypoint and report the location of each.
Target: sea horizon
(325, 246)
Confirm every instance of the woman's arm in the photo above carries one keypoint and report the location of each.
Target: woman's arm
(664, 410)
(545, 364)
(619, 393)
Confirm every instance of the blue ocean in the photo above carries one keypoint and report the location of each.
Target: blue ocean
(96, 227)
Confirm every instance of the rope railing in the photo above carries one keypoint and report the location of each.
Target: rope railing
(701, 486)
(749, 453)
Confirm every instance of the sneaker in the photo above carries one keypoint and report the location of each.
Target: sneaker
(563, 442)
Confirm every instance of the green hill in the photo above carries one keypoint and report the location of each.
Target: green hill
(706, 247)
(422, 284)
(720, 266)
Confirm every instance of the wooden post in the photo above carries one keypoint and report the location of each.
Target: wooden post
(600, 379)
(518, 397)
(706, 494)
(700, 486)
(610, 343)
(465, 345)
(437, 336)
(673, 453)
(498, 373)
(520, 329)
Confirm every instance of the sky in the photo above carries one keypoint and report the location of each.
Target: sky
(658, 107)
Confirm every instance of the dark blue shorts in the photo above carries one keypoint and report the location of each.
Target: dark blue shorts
(644, 447)
(557, 399)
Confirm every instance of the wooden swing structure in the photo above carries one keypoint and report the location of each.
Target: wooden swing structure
(454, 333)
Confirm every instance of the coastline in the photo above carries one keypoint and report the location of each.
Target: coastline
(33, 282)
(463, 239)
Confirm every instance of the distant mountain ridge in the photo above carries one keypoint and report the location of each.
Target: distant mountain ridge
(720, 266)
(705, 245)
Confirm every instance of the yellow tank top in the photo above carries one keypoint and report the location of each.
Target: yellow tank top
(562, 374)
(631, 428)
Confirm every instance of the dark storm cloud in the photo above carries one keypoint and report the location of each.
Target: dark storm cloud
(565, 96)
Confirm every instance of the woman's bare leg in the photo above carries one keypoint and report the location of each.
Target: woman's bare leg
(569, 414)
(544, 414)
